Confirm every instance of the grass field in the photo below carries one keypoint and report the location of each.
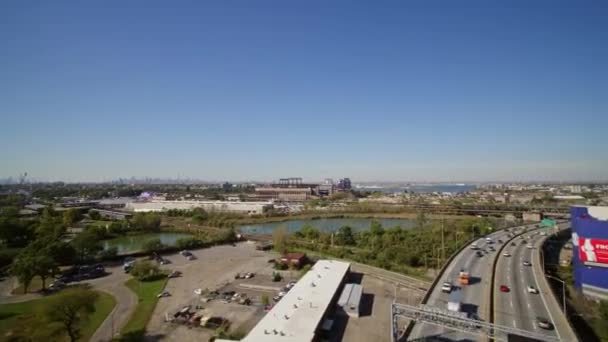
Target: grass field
(146, 292)
(11, 314)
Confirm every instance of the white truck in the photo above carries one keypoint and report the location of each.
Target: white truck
(455, 300)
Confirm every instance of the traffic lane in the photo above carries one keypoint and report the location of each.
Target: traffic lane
(508, 305)
(439, 299)
(536, 305)
(473, 298)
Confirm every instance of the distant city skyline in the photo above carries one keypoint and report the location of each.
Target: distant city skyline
(393, 91)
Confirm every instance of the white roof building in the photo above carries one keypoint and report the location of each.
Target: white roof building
(297, 316)
(223, 206)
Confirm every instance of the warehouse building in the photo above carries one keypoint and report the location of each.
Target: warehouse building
(300, 316)
(252, 208)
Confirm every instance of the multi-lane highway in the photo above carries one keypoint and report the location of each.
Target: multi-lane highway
(527, 298)
(475, 296)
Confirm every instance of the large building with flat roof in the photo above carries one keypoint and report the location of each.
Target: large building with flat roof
(299, 315)
(252, 208)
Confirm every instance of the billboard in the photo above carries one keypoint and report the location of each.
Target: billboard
(593, 252)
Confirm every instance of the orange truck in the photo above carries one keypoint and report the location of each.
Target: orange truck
(463, 277)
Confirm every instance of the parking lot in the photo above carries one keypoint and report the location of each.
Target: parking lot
(214, 270)
(212, 274)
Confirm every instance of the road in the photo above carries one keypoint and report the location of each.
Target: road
(519, 308)
(476, 295)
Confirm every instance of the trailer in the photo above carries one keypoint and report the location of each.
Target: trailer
(463, 277)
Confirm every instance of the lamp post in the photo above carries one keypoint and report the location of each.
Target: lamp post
(563, 291)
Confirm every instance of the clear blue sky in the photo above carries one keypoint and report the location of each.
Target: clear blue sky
(237, 90)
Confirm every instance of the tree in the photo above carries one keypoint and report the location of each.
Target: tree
(144, 270)
(199, 215)
(265, 300)
(376, 228)
(308, 232)
(69, 309)
(86, 245)
(421, 220)
(280, 239)
(153, 245)
(146, 221)
(24, 268)
(71, 216)
(94, 215)
(345, 236)
(45, 267)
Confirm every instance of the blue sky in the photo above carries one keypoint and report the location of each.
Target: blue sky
(240, 90)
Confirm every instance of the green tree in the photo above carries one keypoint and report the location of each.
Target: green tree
(144, 270)
(87, 246)
(376, 228)
(147, 222)
(345, 236)
(24, 268)
(421, 220)
(69, 309)
(199, 215)
(280, 239)
(153, 245)
(94, 215)
(71, 216)
(45, 267)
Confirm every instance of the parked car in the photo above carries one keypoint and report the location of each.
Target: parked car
(191, 257)
(163, 294)
(56, 285)
(249, 275)
(185, 253)
(175, 274)
(198, 292)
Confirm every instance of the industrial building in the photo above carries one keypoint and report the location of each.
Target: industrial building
(283, 194)
(300, 316)
(590, 250)
(351, 299)
(252, 208)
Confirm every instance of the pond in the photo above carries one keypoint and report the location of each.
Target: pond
(324, 225)
(134, 243)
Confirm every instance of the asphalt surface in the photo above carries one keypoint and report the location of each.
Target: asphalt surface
(519, 308)
(476, 295)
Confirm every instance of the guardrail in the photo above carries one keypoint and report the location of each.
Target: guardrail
(564, 324)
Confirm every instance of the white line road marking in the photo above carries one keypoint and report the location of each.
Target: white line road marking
(511, 303)
(514, 323)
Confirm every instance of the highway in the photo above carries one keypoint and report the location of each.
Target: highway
(520, 308)
(476, 295)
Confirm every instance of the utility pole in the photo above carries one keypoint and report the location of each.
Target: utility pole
(442, 241)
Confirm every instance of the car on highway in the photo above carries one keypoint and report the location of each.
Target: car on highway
(504, 288)
(529, 246)
(513, 244)
(526, 263)
(446, 287)
(479, 254)
(506, 254)
(532, 289)
(544, 323)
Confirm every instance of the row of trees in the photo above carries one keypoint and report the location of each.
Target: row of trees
(392, 248)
